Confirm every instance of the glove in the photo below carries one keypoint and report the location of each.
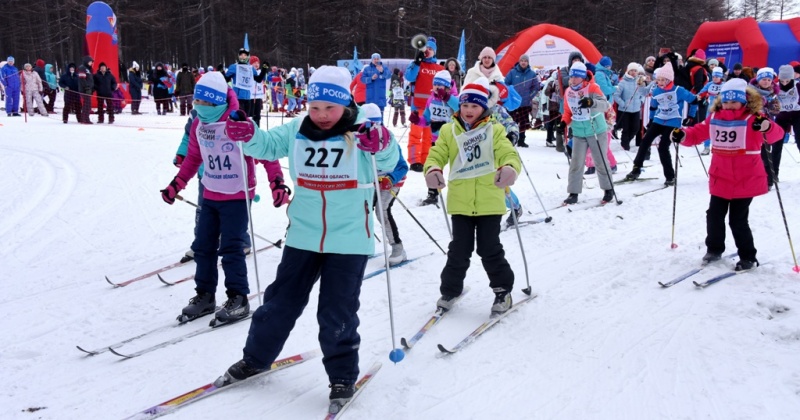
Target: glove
(385, 183)
(688, 122)
(264, 66)
(586, 102)
(505, 177)
(280, 192)
(372, 139)
(760, 123)
(239, 127)
(178, 160)
(513, 138)
(414, 118)
(435, 179)
(168, 194)
(420, 56)
(562, 125)
(677, 135)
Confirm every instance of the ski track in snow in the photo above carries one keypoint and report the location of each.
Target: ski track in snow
(601, 341)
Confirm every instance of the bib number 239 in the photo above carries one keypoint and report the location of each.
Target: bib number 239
(723, 136)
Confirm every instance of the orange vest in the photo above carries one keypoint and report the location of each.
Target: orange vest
(424, 84)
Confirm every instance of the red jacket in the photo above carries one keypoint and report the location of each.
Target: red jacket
(358, 89)
(738, 174)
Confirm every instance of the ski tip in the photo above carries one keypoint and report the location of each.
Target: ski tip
(279, 244)
(88, 352)
(662, 284)
(699, 286)
(112, 283)
(124, 356)
(166, 283)
(443, 350)
(404, 343)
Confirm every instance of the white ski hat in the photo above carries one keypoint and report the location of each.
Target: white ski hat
(330, 84)
(578, 69)
(442, 78)
(212, 88)
(734, 90)
(372, 113)
(765, 73)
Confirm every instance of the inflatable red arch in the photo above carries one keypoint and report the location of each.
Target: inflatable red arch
(752, 43)
(546, 45)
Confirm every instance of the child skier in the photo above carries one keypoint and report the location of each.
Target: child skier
(709, 93)
(330, 234)
(584, 108)
(223, 216)
(766, 86)
(738, 130)
(244, 76)
(398, 100)
(789, 98)
(439, 108)
(482, 165)
(665, 115)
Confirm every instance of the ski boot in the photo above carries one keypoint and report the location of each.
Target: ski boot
(239, 371)
(234, 309)
(398, 255)
(502, 301)
(572, 199)
(746, 265)
(202, 304)
(433, 198)
(189, 256)
(445, 303)
(590, 171)
(670, 182)
(416, 167)
(341, 394)
(614, 169)
(634, 174)
(711, 257)
(510, 219)
(608, 196)
(706, 151)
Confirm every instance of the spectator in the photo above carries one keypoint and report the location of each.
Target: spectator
(456, 74)
(135, 88)
(86, 88)
(70, 82)
(526, 82)
(10, 79)
(374, 77)
(33, 87)
(105, 84)
(185, 89)
(50, 87)
(358, 90)
(159, 80)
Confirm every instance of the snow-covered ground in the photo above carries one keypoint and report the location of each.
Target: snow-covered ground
(602, 340)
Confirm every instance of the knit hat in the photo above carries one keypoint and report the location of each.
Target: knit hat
(713, 61)
(649, 58)
(39, 63)
(699, 54)
(605, 61)
(797, 68)
(578, 69)
(212, 88)
(135, 65)
(10, 59)
(376, 55)
(476, 92)
(656, 72)
(330, 84)
(590, 67)
(372, 113)
(737, 66)
(201, 70)
(254, 59)
(487, 52)
(786, 72)
(734, 90)
(632, 66)
(210, 68)
(794, 63)
(765, 73)
(442, 78)
(524, 57)
(717, 72)
(667, 72)
(639, 69)
(431, 43)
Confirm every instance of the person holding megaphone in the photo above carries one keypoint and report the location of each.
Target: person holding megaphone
(420, 74)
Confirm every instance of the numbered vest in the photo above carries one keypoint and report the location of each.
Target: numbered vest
(714, 89)
(222, 159)
(258, 90)
(327, 165)
(789, 100)
(729, 137)
(667, 105)
(244, 77)
(475, 153)
(398, 95)
(440, 112)
(573, 99)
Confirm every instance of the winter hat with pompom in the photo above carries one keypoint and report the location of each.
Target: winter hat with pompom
(476, 92)
(212, 88)
(667, 72)
(442, 78)
(330, 84)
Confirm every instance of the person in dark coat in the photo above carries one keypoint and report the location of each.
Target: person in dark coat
(105, 84)
(70, 82)
(159, 80)
(86, 88)
(135, 88)
(184, 89)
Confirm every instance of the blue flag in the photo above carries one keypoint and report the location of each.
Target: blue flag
(356, 66)
(462, 53)
(246, 44)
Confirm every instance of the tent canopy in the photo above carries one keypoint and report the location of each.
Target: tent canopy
(547, 46)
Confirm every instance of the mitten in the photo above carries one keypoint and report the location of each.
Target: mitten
(513, 138)
(688, 122)
(168, 194)
(435, 179)
(677, 135)
(372, 138)
(420, 56)
(505, 177)
(178, 160)
(238, 127)
(586, 102)
(760, 123)
(385, 183)
(280, 192)
(414, 118)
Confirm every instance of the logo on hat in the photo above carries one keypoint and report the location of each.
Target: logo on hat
(313, 92)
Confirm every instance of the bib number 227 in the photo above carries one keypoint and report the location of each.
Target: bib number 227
(322, 157)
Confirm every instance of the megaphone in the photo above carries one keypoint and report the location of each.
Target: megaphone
(419, 42)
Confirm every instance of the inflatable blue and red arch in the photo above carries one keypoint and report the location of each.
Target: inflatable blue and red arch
(747, 41)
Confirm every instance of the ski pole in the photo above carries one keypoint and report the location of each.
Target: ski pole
(526, 290)
(256, 198)
(605, 164)
(673, 245)
(418, 222)
(548, 218)
(444, 210)
(701, 160)
(250, 215)
(796, 268)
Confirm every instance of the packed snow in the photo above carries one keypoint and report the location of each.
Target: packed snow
(601, 341)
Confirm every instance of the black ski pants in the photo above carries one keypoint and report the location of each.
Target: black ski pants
(715, 226)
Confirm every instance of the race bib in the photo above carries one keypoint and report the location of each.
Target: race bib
(440, 112)
(244, 77)
(397, 93)
(714, 89)
(258, 90)
(573, 101)
(475, 153)
(788, 100)
(667, 106)
(327, 165)
(728, 137)
(222, 159)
